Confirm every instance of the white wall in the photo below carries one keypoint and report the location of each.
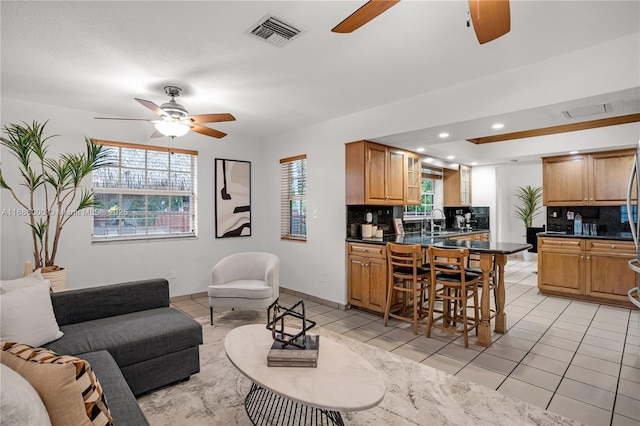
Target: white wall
(302, 263)
(90, 264)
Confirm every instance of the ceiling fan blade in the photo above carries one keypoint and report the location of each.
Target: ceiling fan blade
(211, 118)
(116, 118)
(366, 13)
(491, 18)
(153, 107)
(208, 131)
(156, 134)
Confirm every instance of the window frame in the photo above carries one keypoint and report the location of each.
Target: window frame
(427, 212)
(185, 218)
(287, 189)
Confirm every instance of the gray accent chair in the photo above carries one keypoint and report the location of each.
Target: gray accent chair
(249, 280)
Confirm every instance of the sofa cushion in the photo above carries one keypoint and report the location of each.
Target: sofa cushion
(87, 304)
(26, 313)
(133, 337)
(67, 385)
(122, 403)
(20, 404)
(246, 289)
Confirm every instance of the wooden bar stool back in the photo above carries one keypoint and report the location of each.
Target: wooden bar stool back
(452, 284)
(408, 284)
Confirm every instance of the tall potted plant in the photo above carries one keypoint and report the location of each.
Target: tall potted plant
(54, 193)
(528, 206)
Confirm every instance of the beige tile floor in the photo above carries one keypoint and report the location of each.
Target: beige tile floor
(578, 359)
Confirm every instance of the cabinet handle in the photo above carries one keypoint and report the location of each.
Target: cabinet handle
(588, 257)
(613, 246)
(585, 199)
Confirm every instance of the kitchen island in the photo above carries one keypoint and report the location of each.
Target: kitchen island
(366, 270)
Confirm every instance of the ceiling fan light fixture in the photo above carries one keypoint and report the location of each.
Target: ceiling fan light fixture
(172, 128)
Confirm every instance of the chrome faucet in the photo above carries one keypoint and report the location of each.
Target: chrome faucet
(433, 219)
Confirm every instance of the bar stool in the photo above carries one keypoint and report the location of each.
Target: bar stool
(408, 283)
(454, 286)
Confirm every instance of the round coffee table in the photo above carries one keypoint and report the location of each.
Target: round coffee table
(343, 381)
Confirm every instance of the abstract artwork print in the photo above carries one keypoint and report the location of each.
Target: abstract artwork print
(233, 198)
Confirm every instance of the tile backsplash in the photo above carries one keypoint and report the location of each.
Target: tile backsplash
(608, 219)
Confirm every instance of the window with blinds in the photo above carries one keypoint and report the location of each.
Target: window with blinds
(148, 192)
(293, 198)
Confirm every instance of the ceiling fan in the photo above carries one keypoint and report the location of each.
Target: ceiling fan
(491, 18)
(176, 121)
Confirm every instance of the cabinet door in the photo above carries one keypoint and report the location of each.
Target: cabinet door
(396, 171)
(377, 291)
(565, 180)
(451, 188)
(465, 185)
(561, 271)
(375, 174)
(608, 275)
(356, 280)
(414, 179)
(609, 178)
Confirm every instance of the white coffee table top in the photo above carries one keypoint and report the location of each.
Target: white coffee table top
(342, 381)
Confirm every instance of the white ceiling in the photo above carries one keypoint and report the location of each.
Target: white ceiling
(97, 56)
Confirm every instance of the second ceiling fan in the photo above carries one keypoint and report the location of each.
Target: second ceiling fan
(491, 18)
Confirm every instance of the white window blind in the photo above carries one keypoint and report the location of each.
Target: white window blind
(148, 192)
(293, 198)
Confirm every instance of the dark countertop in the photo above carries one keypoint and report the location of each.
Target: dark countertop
(443, 240)
(622, 236)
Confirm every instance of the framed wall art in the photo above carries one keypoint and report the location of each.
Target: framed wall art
(233, 198)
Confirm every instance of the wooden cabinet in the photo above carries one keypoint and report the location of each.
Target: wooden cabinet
(608, 274)
(591, 269)
(598, 179)
(561, 265)
(414, 179)
(367, 275)
(457, 187)
(381, 175)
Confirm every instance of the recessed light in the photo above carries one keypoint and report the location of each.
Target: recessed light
(573, 152)
(428, 160)
(444, 135)
(474, 163)
(450, 157)
(497, 126)
(420, 149)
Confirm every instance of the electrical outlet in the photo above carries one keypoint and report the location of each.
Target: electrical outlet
(172, 274)
(321, 277)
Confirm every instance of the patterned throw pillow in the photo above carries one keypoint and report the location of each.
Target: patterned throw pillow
(67, 385)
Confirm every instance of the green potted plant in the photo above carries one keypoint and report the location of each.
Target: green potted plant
(528, 206)
(54, 192)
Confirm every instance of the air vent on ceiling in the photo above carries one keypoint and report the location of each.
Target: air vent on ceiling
(274, 30)
(584, 111)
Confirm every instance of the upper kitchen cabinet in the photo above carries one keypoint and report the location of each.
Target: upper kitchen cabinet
(457, 187)
(414, 179)
(377, 174)
(595, 179)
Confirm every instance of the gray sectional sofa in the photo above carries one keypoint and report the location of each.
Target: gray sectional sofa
(132, 338)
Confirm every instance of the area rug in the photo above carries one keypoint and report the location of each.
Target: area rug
(416, 394)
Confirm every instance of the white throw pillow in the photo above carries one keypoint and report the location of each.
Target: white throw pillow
(20, 404)
(32, 279)
(26, 316)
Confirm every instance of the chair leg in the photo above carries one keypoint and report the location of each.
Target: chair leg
(211, 313)
(465, 325)
(387, 307)
(432, 302)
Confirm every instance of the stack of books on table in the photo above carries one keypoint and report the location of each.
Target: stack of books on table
(293, 356)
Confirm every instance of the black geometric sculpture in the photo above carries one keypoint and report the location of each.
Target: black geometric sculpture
(276, 314)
